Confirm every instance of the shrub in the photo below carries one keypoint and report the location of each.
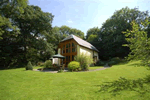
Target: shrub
(100, 63)
(114, 61)
(79, 69)
(40, 64)
(84, 60)
(110, 63)
(29, 66)
(60, 71)
(73, 65)
(48, 64)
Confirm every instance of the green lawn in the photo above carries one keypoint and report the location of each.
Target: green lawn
(96, 67)
(18, 84)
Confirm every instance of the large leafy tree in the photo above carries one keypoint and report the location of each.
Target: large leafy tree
(92, 31)
(8, 10)
(31, 39)
(8, 29)
(111, 31)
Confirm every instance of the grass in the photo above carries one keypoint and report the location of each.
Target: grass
(96, 67)
(18, 84)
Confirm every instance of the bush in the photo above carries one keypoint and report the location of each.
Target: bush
(29, 66)
(60, 71)
(48, 64)
(114, 61)
(110, 63)
(84, 60)
(73, 65)
(79, 69)
(100, 63)
(40, 64)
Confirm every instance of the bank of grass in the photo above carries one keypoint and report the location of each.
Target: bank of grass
(16, 84)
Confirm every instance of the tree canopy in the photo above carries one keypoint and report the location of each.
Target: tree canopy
(25, 33)
(110, 35)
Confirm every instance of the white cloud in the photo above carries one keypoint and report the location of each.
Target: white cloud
(69, 21)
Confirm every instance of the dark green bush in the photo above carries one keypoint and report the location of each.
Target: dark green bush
(73, 65)
(100, 63)
(110, 63)
(29, 66)
(114, 61)
(48, 64)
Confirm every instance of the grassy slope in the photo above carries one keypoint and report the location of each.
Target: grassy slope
(19, 84)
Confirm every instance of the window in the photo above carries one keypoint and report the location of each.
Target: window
(68, 58)
(72, 57)
(66, 45)
(73, 47)
(64, 49)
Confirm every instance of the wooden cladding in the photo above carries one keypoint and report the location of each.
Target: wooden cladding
(69, 50)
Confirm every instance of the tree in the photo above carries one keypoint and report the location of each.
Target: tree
(8, 10)
(92, 38)
(94, 31)
(111, 32)
(138, 42)
(32, 42)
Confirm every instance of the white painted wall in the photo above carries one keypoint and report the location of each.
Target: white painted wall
(55, 61)
(87, 51)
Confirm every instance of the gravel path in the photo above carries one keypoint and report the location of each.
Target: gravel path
(91, 70)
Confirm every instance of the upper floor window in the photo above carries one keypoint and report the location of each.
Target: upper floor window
(73, 47)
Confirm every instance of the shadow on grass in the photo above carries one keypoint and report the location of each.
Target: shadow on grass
(115, 87)
(137, 64)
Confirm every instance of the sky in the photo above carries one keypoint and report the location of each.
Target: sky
(85, 14)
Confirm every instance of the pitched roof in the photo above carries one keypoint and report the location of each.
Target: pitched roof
(80, 42)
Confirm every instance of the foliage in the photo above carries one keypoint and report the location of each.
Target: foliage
(48, 64)
(40, 63)
(25, 33)
(73, 65)
(60, 71)
(109, 38)
(85, 60)
(92, 33)
(138, 42)
(29, 66)
(114, 61)
(100, 63)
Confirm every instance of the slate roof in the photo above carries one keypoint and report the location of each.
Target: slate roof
(80, 42)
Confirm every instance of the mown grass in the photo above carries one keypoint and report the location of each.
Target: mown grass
(96, 67)
(18, 84)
